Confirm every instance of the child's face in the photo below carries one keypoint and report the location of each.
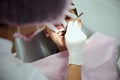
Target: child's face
(57, 37)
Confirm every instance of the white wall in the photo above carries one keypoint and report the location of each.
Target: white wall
(101, 15)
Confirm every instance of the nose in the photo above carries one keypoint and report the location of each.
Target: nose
(59, 26)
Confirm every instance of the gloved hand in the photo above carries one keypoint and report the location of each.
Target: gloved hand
(75, 40)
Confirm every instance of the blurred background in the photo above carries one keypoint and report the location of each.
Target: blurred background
(100, 15)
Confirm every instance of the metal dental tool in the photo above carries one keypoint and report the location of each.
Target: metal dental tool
(63, 32)
(78, 16)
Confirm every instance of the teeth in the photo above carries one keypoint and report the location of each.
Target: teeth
(62, 33)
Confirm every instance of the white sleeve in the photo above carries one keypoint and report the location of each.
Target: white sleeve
(12, 68)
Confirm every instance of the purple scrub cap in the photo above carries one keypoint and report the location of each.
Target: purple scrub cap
(24, 12)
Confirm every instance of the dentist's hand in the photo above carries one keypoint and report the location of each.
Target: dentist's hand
(75, 40)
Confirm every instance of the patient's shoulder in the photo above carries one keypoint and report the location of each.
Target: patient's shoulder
(99, 49)
(101, 38)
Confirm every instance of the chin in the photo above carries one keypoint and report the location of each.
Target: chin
(62, 44)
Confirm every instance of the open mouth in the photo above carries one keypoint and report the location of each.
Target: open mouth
(61, 33)
(61, 30)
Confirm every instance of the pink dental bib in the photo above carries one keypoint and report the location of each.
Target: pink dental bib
(100, 61)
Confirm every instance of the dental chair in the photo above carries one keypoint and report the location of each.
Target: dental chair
(38, 48)
(119, 59)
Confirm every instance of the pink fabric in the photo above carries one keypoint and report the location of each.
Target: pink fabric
(29, 36)
(99, 60)
(54, 66)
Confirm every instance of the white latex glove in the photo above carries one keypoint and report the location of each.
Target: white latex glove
(75, 40)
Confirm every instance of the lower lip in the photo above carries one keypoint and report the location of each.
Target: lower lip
(61, 36)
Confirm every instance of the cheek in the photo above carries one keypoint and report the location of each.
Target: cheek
(52, 35)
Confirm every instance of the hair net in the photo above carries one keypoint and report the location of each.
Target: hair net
(20, 12)
(63, 21)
